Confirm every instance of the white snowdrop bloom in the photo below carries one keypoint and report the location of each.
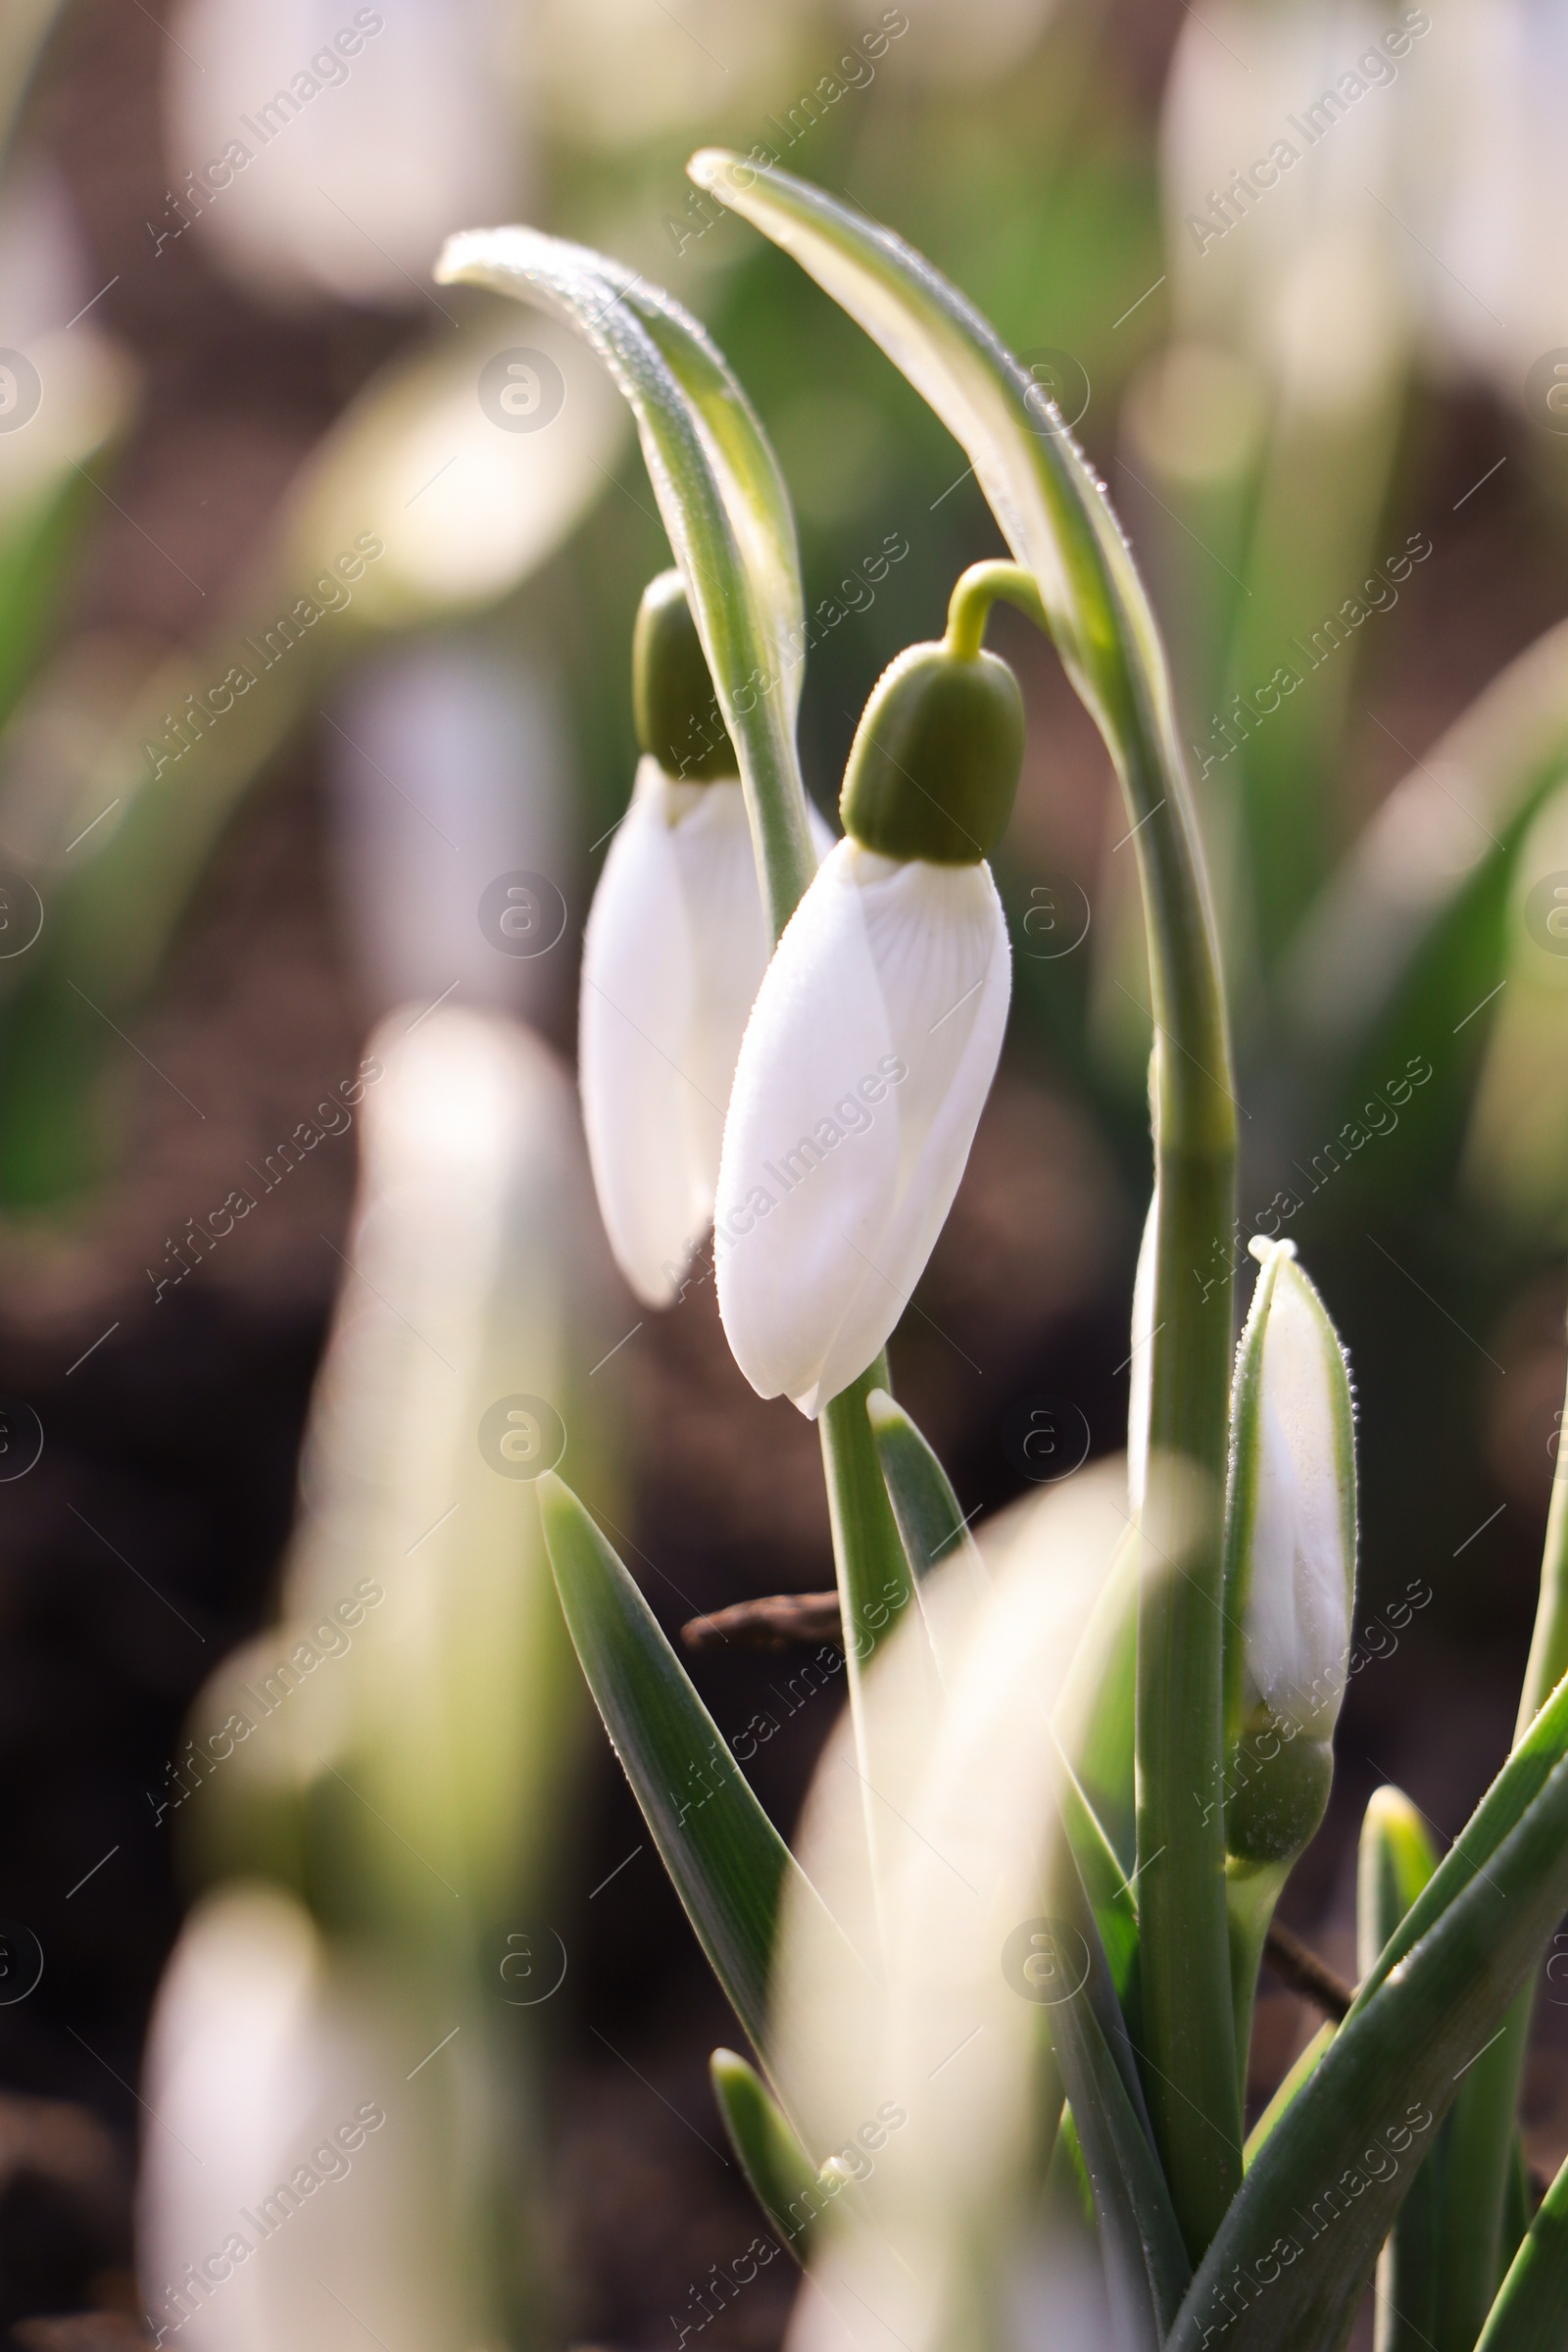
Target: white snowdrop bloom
(875, 1034)
(676, 943)
(1290, 1572)
(864, 1068)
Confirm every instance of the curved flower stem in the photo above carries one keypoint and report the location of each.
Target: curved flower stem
(1192, 2017)
(977, 589)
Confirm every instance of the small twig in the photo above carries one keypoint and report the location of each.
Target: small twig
(1299, 1967)
(772, 1624)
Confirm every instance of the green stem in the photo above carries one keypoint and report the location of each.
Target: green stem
(974, 594)
(874, 1580)
(1185, 1957)
(1476, 2178)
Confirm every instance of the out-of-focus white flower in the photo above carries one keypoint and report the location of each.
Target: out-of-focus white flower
(292, 2168)
(1279, 144)
(861, 1078)
(333, 153)
(448, 763)
(1290, 1568)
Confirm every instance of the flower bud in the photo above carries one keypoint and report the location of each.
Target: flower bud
(1289, 1562)
(936, 757)
(672, 697)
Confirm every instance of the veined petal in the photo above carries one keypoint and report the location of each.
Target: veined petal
(863, 1071)
(675, 946)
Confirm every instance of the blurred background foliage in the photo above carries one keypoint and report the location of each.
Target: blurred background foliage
(1323, 408)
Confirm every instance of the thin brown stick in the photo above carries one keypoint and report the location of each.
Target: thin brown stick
(1299, 1967)
(773, 1624)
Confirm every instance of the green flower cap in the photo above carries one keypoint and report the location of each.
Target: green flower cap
(936, 757)
(672, 697)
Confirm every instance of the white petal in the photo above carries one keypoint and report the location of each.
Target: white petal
(675, 945)
(1302, 1575)
(1140, 1391)
(864, 1068)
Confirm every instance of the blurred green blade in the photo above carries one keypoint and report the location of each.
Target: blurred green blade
(727, 1861)
(1333, 2173)
(782, 2177)
(1533, 1763)
(722, 501)
(1104, 1882)
(1397, 1860)
(1145, 2260)
(1530, 2311)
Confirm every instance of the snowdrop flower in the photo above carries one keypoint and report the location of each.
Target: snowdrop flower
(1290, 1566)
(874, 1037)
(676, 943)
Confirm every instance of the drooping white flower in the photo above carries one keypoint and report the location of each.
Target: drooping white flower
(676, 943)
(675, 948)
(866, 1065)
(875, 1034)
(1289, 1570)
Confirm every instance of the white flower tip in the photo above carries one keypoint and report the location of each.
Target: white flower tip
(1266, 1251)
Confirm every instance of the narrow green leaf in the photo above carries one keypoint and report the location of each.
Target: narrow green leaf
(727, 1861)
(782, 2177)
(924, 1505)
(722, 501)
(1279, 2106)
(1292, 2260)
(1396, 1861)
(1535, 1758)
(1110, 1897)
(1058, 524)
(1530, 2311)
(1482, 2153)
